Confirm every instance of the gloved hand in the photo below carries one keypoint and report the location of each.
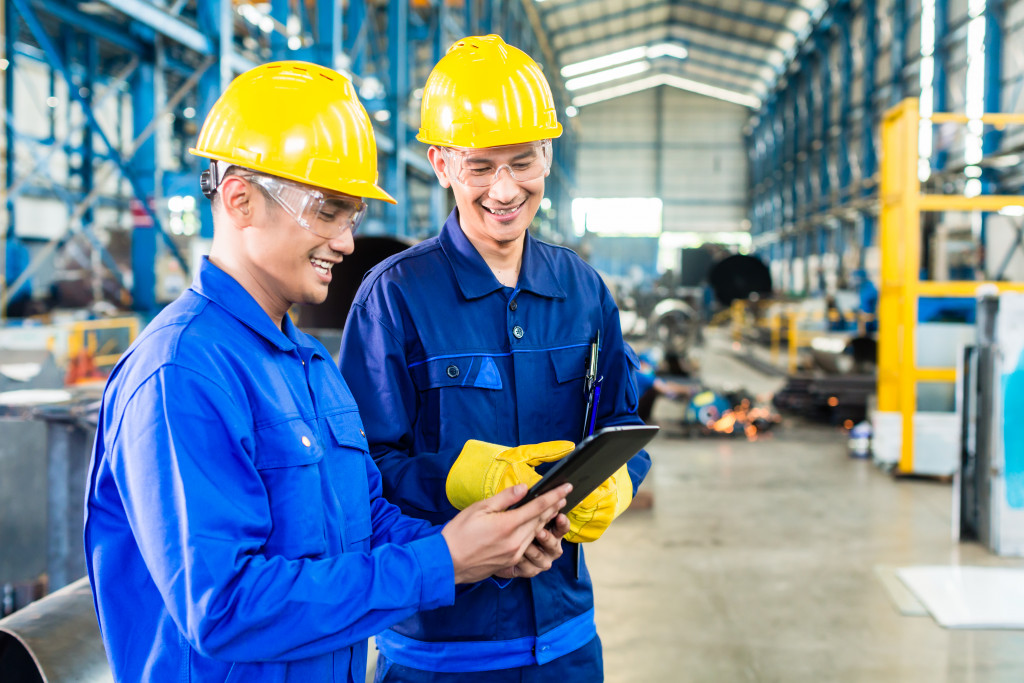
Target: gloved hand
(589, 519)
(483, 469)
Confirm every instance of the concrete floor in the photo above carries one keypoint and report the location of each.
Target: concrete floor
(758, 562)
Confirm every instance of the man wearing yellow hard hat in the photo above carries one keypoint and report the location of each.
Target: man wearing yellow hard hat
(235, 527)
(467, 353)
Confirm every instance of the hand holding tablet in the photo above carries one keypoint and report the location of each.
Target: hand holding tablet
(594, 460)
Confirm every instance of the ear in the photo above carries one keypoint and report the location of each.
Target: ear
(236, 195)
(439, 165)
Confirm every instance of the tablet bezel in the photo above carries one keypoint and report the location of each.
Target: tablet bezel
(606, 450)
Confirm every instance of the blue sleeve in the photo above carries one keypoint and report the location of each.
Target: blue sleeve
(619, 392)
(389, 524)
(199, 512)
(373, 364)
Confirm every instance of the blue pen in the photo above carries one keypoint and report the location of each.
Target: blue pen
(592, 394)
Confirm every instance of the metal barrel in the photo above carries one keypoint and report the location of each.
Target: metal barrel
(54, 640)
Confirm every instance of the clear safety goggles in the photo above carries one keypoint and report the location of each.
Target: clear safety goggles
(324, 215)
(480, 167)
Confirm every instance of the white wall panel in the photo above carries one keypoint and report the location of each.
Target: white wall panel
(685, 148)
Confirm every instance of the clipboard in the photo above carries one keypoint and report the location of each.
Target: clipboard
(595, 459)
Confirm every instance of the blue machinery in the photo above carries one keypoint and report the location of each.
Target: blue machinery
(162, 63)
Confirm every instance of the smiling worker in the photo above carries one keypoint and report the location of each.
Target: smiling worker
(235, 528)
(466, 354)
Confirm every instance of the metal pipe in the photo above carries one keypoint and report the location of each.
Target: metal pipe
(54, 640)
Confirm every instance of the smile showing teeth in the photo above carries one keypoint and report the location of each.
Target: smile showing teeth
(321, 266)
(503, 212)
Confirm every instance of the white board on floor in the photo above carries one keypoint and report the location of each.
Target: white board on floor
(969, 597)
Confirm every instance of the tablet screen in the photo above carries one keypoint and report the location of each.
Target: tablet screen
(594, 460)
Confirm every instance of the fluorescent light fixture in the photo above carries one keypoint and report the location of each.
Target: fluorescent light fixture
(607, 75)
(604, 62)
(623, 57)
(666, 79)
(667, 50)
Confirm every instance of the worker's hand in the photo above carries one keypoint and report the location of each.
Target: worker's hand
(483, 469)
(589, 519)
(542, 553)
(486, 537)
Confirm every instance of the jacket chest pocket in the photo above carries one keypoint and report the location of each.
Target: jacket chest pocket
(289, 458)
(565, 402)
(349, 465)
(458, 400)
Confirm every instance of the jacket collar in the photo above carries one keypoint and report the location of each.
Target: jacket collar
(475, 278)
(214, 284)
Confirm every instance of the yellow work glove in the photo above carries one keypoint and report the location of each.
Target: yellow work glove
(483, 469)
(589, 519)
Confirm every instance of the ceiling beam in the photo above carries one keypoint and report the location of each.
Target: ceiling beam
(646, 9)
(666, 29)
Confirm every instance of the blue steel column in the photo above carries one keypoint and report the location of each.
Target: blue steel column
(940, 85)
(279, 11)
(328, 44)
(143, 167)
(215, 19)
(10, 35)
(843, 19)
(90, 57)
(778, 201)
(825, 126)
(397, 218)
(897, 52)
(869, 160)
(994, 15)
(356, 22)
(438, 194)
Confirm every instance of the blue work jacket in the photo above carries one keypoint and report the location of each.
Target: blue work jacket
(235, 528)
(438, 352)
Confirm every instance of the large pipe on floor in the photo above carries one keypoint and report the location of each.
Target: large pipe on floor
(54, 640)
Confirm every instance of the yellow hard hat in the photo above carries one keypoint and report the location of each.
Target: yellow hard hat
(298, 121)
(486, 93)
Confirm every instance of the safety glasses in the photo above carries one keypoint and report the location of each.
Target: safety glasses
(480, 167)
(324, 215)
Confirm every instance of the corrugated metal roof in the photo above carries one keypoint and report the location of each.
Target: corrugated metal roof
(731, 49)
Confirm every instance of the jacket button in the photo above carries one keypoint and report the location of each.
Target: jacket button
(453, 371)
(512, 305)
(306, 442)
(517, 332)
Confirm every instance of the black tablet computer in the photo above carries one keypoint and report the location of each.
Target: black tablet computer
(595, 459)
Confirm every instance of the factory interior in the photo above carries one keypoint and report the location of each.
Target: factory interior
(809, 213)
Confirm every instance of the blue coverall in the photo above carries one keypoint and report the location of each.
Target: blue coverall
(436, 352)
(235, 529)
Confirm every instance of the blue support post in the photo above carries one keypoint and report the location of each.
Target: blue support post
(940, 86)
(398, 91)
(10, 35)
(869, 160)
(438, 194)
(216, 22)
(328, 36)
(143, 168)
(897, 52)
(994, 21)
(358, 27)
(279, 12)
(842, 24)
(824, 120)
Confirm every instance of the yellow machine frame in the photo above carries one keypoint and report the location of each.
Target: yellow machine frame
(900, 239)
